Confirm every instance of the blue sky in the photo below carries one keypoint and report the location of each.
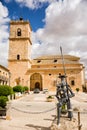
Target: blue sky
(54, 23)
(35, 16)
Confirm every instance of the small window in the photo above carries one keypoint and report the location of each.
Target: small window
(38, 61)
(72, 82)
(55, 60)
(18, 32)
(18, 57)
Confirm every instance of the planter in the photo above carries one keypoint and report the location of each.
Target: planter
(2, 111)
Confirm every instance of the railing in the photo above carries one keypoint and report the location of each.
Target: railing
(3, 78)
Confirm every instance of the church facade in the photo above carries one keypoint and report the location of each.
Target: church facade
(43, 71)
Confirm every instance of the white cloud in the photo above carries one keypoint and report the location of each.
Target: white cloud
(66, 26)
(3, 34)
(33, 4)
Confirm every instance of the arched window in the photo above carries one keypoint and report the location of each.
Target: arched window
(18, 32)
(72, 82)
(18, 57)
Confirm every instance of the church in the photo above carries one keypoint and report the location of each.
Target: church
(41, 72)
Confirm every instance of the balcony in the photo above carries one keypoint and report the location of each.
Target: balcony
(3, 78)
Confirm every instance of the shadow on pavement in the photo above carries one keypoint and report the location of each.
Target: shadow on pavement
(38, 127)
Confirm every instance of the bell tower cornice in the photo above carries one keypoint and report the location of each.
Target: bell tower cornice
(23, 38)
(20, 22)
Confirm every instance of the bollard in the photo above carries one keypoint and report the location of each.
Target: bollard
(79, 125)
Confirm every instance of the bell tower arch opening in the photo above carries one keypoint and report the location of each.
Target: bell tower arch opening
(36, 81)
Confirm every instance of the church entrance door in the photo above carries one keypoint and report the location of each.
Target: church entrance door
(36, 81)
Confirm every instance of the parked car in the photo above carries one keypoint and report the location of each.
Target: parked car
(36, 90)
(45, 90)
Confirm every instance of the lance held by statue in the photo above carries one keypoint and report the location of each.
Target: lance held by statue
(63, 94)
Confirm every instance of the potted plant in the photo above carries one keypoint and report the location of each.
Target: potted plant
(4, 92)
(3, 104)
(26, 89)
(18, 90)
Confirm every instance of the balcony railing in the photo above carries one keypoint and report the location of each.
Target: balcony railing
(3, 78)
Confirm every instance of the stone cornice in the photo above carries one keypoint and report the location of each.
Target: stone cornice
(18, 38)
(21, 60)
(4, 68)
(53, 69)
(19, 22)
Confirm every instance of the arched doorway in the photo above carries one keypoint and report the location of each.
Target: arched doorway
(37, 85)
(35, 81)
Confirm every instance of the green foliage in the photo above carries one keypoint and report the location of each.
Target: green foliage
(25, 89)
(5, 90)
(50, 97)
(18, 88)
(64, 108)
(77, 89)
(3, 101)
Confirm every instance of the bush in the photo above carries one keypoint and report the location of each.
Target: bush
(5, 90)
(3, 101)
(77, 89)
(25, 89)
(18, 88)
(50, 97)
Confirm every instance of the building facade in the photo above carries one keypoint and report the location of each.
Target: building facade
(41, 72)
(4, 76)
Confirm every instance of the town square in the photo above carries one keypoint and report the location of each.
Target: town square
(43, 65)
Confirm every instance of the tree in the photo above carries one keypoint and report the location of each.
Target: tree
(77, 89)
(3, 101)
(18, 88)
(5, 90)
(25, 89)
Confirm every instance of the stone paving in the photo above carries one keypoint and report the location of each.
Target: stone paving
(31, 112)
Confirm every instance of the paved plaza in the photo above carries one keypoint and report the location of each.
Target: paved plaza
(33, 112)
(30, 112)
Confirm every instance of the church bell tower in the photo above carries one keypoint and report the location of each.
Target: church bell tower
(19, 51)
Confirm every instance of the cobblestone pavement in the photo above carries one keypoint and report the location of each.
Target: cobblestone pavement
(30, 112)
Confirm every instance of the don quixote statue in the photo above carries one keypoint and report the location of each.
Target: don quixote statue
(63, 94)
